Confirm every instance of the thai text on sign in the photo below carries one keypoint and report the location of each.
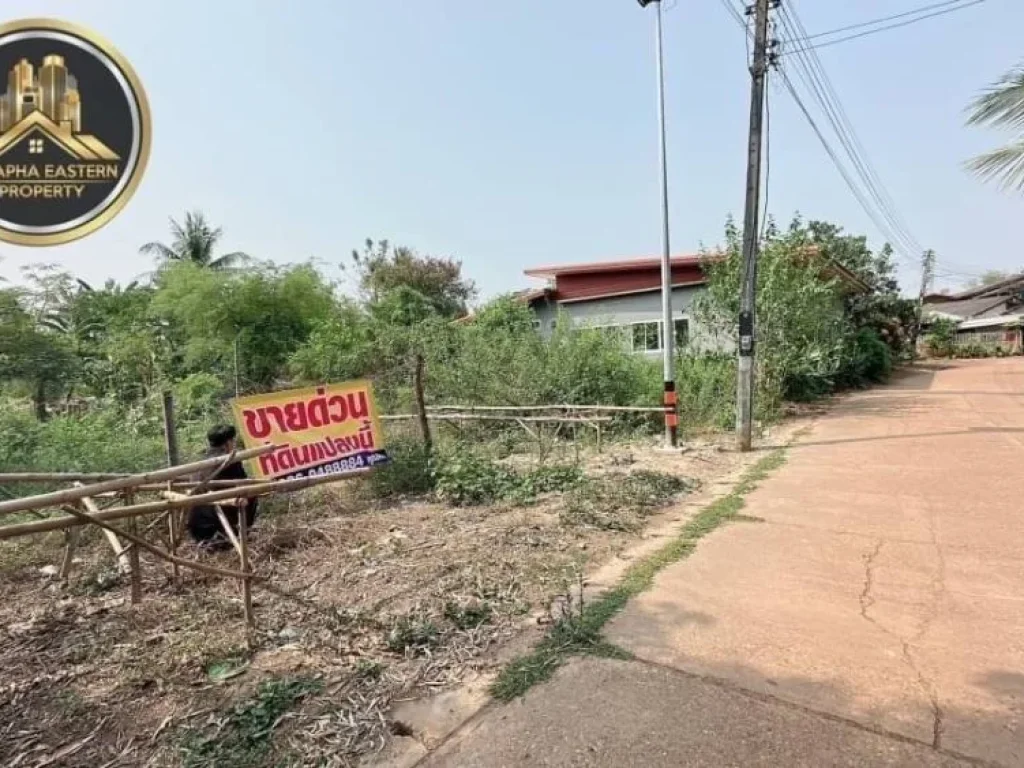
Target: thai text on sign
(331, 429)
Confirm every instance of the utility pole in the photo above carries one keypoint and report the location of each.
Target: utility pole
(748, 285)
(927, 278)
(667, 326)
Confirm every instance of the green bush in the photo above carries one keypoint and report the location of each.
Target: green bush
(408, 473)
(941, 338)
(866, 360)
(465, 477)
(706, 387)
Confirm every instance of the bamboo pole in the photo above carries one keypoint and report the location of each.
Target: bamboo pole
(8, 478)
(243, 554)
(115, 543)
(133, 555)
(73, 494)
(85, 519)
(71, 543)
(246, 492)
(510, 417)
(517, 408)
(228, 530)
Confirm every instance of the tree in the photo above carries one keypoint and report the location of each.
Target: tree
(381, 269)
(195, 242)
(247, 323)
(1002, 106)
(29, 354)
(988, 277)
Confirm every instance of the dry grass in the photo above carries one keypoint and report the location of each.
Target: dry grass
(399, 602)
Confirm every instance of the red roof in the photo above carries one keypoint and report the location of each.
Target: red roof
(622, 265)
(598, 279)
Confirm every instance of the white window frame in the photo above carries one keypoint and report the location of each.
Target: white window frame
(627, 330)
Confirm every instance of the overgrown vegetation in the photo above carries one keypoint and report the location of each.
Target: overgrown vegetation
(620, 502)
(243, 737)
(465, 477)
(82, 367)
(580, 632)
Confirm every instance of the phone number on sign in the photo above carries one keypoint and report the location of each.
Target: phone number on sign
(341, 466)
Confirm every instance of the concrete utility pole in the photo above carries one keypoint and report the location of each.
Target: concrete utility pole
(927, 278)
(668, 327)
(748, 285)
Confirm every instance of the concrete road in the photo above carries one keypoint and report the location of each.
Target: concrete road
(874, 616)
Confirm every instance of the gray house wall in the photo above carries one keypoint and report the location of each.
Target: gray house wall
(628, 309)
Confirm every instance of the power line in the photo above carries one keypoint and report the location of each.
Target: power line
(845, 128)
(886, 28)
(817, 81)
(874, 199)
(873, 22)
(868, 208)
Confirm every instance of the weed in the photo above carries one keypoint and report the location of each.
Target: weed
(467, 478)
(226, 668)
(619, 502)
(71, 703)
(370, 669)
(468, 616)
(243, 739)
(581, 634)
(412, 633)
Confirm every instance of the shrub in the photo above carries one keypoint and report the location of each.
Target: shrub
(412, 633)
(408, 473)
(866, 359)
(941, 338)
(465, 477)
(706, 387)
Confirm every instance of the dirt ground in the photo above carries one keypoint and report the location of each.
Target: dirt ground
(391, 604)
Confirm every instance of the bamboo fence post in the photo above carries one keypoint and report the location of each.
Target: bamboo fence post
(171, 444)
(115, 543)
(70, 544)
(133, 554)
(243, 552)
(421, 404)
(226, 526)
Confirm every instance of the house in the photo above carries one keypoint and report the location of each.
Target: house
(990, 315)
(627, 295)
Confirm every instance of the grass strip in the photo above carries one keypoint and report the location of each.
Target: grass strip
(581, 635)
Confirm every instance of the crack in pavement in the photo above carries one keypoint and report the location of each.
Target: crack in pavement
(938, 587)
(866, 598)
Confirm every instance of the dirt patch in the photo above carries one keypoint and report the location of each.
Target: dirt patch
(398, 603)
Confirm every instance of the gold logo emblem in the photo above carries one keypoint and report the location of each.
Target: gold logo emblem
(74, 132)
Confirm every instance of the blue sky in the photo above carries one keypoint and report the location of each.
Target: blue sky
(514, 134)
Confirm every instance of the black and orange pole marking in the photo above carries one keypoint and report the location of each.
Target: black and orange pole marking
(671, 413)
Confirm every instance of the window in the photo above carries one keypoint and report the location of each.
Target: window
(35, 146)
(553, 325)
(536, 325)
(682, 329)
(646, 337)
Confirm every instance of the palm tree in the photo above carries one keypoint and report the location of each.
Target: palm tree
(194, 241)
(1002, 106)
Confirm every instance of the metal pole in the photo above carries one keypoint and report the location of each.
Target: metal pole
(745, 378)
(668, 327)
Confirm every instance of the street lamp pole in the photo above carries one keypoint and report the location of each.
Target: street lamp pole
(668, 327)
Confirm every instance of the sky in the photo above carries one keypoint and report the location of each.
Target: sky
(516, 134)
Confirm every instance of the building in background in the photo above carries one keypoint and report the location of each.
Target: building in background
(987, 316)
(626, 295)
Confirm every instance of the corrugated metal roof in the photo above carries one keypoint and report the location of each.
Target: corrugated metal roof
(971, 307)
